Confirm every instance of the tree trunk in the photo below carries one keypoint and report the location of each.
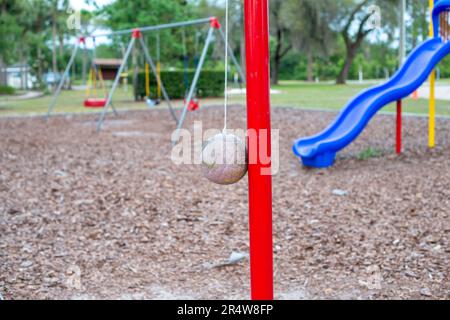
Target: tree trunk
(352, 46)
(61, 44)
(83, 72)
(242, 47)
(3, 80)
(276, 70)
(243, 62)
(21, 67)
(310, 67)
(61, 54)
(54, 56)
(26, 75)
(39, 68)
(72, 76)
(135, 75)
(342, 78)
(277, 58)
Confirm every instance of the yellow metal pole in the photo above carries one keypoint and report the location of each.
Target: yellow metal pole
(432, 116)
(158, 71)
(102, 81)
(432, 106)
(94, 79)
(147, 80)
(89, 84)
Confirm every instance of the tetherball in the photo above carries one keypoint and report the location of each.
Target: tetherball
(224, 159)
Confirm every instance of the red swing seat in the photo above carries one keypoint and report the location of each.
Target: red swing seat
(94, 103)
(193, 105)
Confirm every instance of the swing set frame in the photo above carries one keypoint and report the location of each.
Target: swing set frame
(136, 37)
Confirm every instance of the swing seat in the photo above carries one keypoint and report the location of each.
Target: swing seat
(94, 103)
(193, 105)
(151, 103)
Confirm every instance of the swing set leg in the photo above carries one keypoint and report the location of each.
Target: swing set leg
(150, 61)
(233, 57)
(113, 108)
(63, 79)
(176, 135)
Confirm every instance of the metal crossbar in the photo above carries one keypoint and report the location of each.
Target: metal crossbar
(153, 28)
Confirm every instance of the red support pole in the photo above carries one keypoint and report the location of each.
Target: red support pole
(258, 121)
(399, 127)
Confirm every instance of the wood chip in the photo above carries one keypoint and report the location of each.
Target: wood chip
(128, 222)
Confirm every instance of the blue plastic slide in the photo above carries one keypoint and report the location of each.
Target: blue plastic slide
(320, 150)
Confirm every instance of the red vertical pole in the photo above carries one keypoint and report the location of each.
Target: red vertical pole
(258, 121)
(399, 127)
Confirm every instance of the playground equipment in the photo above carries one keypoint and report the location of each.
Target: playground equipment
(320, 150)
(258, 121)
(92, 100)
(136, 36)
(224, 156)
(150, 102)
(194, 104)
(224, 159)
(214, 26)
(256, 18)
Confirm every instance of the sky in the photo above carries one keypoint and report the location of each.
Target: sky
(81, 4)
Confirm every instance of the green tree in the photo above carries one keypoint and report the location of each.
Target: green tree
(39, 16)
(281, 33)
(419, 28)
(310, 28)
(236, 37)
(352, 23)
(10, 31)
(124, 14)
(57, 9)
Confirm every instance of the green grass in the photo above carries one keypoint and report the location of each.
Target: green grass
(314, 96)
(293, 94)
(68, 102)
(370, 153)
(333, 97)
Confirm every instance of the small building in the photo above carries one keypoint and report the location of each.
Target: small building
(19, 76)
(108, 67)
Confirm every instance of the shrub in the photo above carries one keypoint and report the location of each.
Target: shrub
(370, 152)
(210, 84)
(6, 90)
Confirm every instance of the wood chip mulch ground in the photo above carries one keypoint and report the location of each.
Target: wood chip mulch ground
(109, 216)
